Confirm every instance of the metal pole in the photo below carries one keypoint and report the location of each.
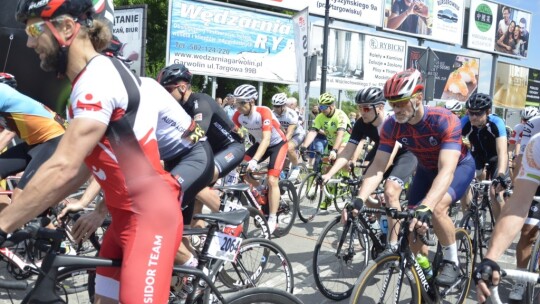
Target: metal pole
(493, 78)
(324, 67)
(259, 102)
(214, 87)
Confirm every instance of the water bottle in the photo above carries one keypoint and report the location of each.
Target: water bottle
(384, 224)
(425, 264)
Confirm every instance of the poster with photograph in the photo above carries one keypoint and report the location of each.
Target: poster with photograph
(499, 28)
(456, 76)
(229, 41)
(356, 60)
(510, 86)
(130, 28)
(439, 20)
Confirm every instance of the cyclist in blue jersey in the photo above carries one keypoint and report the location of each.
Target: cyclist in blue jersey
(445, 167)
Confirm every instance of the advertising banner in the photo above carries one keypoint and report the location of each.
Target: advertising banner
(533, 88)
(130, 28)
(456, 76)
(498, 28)
(510, 86)
(359, 11)
(439, 20)
(227, 41)
(301, 46)
(356, 60)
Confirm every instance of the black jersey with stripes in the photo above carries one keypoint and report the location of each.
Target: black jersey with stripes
(219, 128)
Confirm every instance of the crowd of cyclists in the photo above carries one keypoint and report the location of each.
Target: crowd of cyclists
(123, 133)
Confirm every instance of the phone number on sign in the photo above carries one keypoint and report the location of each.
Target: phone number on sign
(209, 49)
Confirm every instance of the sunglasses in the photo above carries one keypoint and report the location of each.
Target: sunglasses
(278, 107)
(170, 89)
(36, 29)
(322, 108)
(399, 104)
(365, 109)
(476, 113)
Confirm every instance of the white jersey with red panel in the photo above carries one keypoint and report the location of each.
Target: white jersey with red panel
(515, 137)
(261, 119)
(290, 117)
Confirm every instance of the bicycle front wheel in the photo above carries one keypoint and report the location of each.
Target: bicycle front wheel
(77, 286)
(340, 255)
(262, 295)
(310, 197)
(287, 209)
(383, 282)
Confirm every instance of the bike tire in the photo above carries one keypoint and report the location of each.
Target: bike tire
(287, 209)
(366, 288)
(468, 223)
(77, 285)
(260, 263)
(256, 225)
(533, 290)
(335, 271)
(310, 198)
(262, 295)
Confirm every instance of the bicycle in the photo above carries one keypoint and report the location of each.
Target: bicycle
(533, 291)
(56, 267)
(531, 278)
(398, 277)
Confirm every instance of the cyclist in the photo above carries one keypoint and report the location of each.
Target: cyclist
(487, 135)
(226, 143)
(40, 129)
(402, 163)
(513, 214)
(269, 142)
(515, 138)
(292, 103)
(454, 106)
(114, 118)
(290, 124)
(319, 143)
(445, 167)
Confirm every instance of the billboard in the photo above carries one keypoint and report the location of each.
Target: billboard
(456, 76)
(228, 41)
(533, 88)
(130, 28)
(439, 20)
(356, 60)
(366, 12)
(510, 86)
(498, 28)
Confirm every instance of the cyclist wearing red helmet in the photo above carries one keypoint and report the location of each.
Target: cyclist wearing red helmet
(445, 167)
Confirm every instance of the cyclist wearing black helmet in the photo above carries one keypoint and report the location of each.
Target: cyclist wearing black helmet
(370, 102)
(487, 135)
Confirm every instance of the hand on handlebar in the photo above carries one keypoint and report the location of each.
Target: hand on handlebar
(252, 165)
(486, 274)
(421, 220)
(73, 205)
(86, 225)
(353, 207)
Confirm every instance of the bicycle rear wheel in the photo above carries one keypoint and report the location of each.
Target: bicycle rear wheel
(287, 209)
(382, 281)
(310, 197)
(262, 295)
(340, 255)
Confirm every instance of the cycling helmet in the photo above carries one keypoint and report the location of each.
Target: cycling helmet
(115, 49)
(246, 92)
(403, 85)
(528, 113)
(453, 105)
(173, 74)
(479, 101)
(8, 79)
(279, 99)
(370, 96)
(326, 99)
(49, 9)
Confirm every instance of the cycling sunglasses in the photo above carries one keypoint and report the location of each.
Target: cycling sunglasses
(475, 113)
(36, 29)
(365, 109)
(171, 88)
(323, 107)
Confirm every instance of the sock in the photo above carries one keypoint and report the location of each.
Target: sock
(272, 218)
(394, 246)
(191, 262)
(450, 253)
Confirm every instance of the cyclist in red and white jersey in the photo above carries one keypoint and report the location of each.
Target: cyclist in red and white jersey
(290, 124)
(113, 131)
(271, 142)
(515, 139)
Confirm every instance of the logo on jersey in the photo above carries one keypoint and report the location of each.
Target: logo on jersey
(432, 141)
(100, 174)
(197, 117)
(229, 157)
(266, 122)
(89, 105)
(405, 141)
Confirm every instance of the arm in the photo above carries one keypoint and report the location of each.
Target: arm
(203, 115)
(339, 139)
(374, 174)
(89, 223)
(500, 42)
(5, 137)
(309, 138)
(290, 131)
(358, 151)
(502, 155)
(448, 160)
(88, 196)
(392, 156)
(342, 160)
(58, 177)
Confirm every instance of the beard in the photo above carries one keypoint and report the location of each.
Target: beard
(50, 61)
(402, 119)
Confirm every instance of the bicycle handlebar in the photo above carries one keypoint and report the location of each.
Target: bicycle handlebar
(34, 231)
(13, 285)
(516, 275)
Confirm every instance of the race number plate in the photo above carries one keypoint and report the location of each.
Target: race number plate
(224, 246)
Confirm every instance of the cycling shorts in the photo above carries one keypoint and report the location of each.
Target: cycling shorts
(402, 169)
(229, 158)
(492, 167)
(23, 157)
(194, 171)
(277, 154)
(146, 241)
(423, 179)
(298, 139)
(533, 218)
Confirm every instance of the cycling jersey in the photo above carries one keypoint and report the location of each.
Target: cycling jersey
(142, 197)
(530, 128)
(290, 117)
(515, 137)
(483, 140)
(219, 129)
(530, 164)
(338, 121)
(31, 120)
(260, 119)
(439, 129)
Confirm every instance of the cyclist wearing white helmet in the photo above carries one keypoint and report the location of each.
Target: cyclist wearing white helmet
(454, 106)
(515, 138)
(271, 142)
(290, 124)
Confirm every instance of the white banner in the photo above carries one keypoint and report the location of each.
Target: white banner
(368, 12)
(301, 46)
(228, 41)
(129, 27)
(357, 60)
